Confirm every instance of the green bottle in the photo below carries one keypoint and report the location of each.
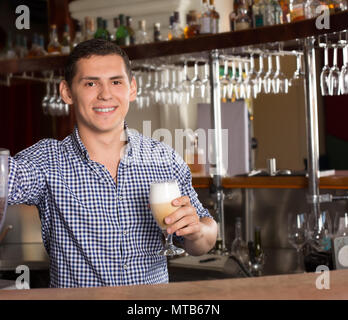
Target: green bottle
(122, 35)
(102, 32)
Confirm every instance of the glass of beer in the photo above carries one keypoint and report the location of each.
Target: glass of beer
(162, 193)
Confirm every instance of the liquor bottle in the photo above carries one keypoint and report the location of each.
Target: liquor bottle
(239, 247)
(66, 41)
(286, 11)
(141, 35)
(130, 30)
(296, 10)
(194, 157)
(157, 32)
(9, 51)
(34, 46)
(177, 31)
(170, 28)
(54, 46)
(310, 7)
(192, 28)
(41, 48)
(214, 18)
(233, 15)
(122, 35)
(258, 245)
(258, 13)
(78, 35)
(21, 46)
(277, 12)
(89, 28)
(205, 18)
(101, 32)
(243, 20)
(116, 26)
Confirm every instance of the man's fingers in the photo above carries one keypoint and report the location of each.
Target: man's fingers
(182, 201)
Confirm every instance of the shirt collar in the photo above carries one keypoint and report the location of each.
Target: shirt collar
(82, 150)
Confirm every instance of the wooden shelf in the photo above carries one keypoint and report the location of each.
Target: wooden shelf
(338, 181)
(268, 34)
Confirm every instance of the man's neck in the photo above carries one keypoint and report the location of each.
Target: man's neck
(103, 147)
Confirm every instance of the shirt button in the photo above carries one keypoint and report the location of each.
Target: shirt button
(125, 267)
(125, 232)
(120, 198)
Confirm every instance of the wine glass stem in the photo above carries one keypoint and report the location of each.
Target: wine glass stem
(168, 238)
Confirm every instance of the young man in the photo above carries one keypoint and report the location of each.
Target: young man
(92, 188)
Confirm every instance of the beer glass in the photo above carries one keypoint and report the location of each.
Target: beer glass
(162, 193)
(4, 153)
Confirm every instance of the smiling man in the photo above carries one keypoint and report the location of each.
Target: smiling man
(92, 188)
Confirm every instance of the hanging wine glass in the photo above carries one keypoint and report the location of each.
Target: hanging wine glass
(334, 75)
(324, 75)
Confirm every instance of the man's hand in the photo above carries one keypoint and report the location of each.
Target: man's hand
(184, 221)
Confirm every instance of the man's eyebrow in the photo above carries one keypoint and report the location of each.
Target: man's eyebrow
(97, 78)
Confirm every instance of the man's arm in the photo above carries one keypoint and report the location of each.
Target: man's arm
(26, 182)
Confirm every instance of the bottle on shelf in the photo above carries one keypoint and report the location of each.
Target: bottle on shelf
(296, 8)
(41, 48)
(157, 32)
(78, 35)
(310, 7)
(243, 20)
(192, 28)
(89, 28)
(258, 244)
(177, 31)
(194, 157)
(141, 35)
(122, 35)
(54, 47)
(170, 28)
(116, 22)
(66, 40)
(239, 247)
(130, 30)
(284, 4)
(102, 31)
(205, 20)
(277, 12)
(214, 18)
(9, 51)
(34, 46)
(233, 15)
(258, 13)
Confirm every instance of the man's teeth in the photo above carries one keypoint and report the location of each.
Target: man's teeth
(104, 109)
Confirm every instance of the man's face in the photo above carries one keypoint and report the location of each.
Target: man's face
(101, 92)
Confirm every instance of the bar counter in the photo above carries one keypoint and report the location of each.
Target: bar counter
(280, 287)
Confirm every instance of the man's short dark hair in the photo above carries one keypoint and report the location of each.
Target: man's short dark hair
(94, 47)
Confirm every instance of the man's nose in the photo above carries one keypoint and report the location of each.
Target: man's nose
(105, 93)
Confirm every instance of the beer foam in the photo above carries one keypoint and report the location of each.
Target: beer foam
(166, 191)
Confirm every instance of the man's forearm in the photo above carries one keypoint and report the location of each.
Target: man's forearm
(206, 239)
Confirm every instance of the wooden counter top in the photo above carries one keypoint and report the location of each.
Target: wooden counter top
(337, 181)
(280, 287)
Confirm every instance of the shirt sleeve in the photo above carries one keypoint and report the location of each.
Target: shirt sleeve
(26, 181)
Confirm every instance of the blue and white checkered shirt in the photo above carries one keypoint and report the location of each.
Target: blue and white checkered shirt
(98, 232)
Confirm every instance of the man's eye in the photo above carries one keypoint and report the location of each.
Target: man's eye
(90, 84)
(116, 82)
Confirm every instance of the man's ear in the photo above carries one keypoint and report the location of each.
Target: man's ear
(133, 90)
(65, 92)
